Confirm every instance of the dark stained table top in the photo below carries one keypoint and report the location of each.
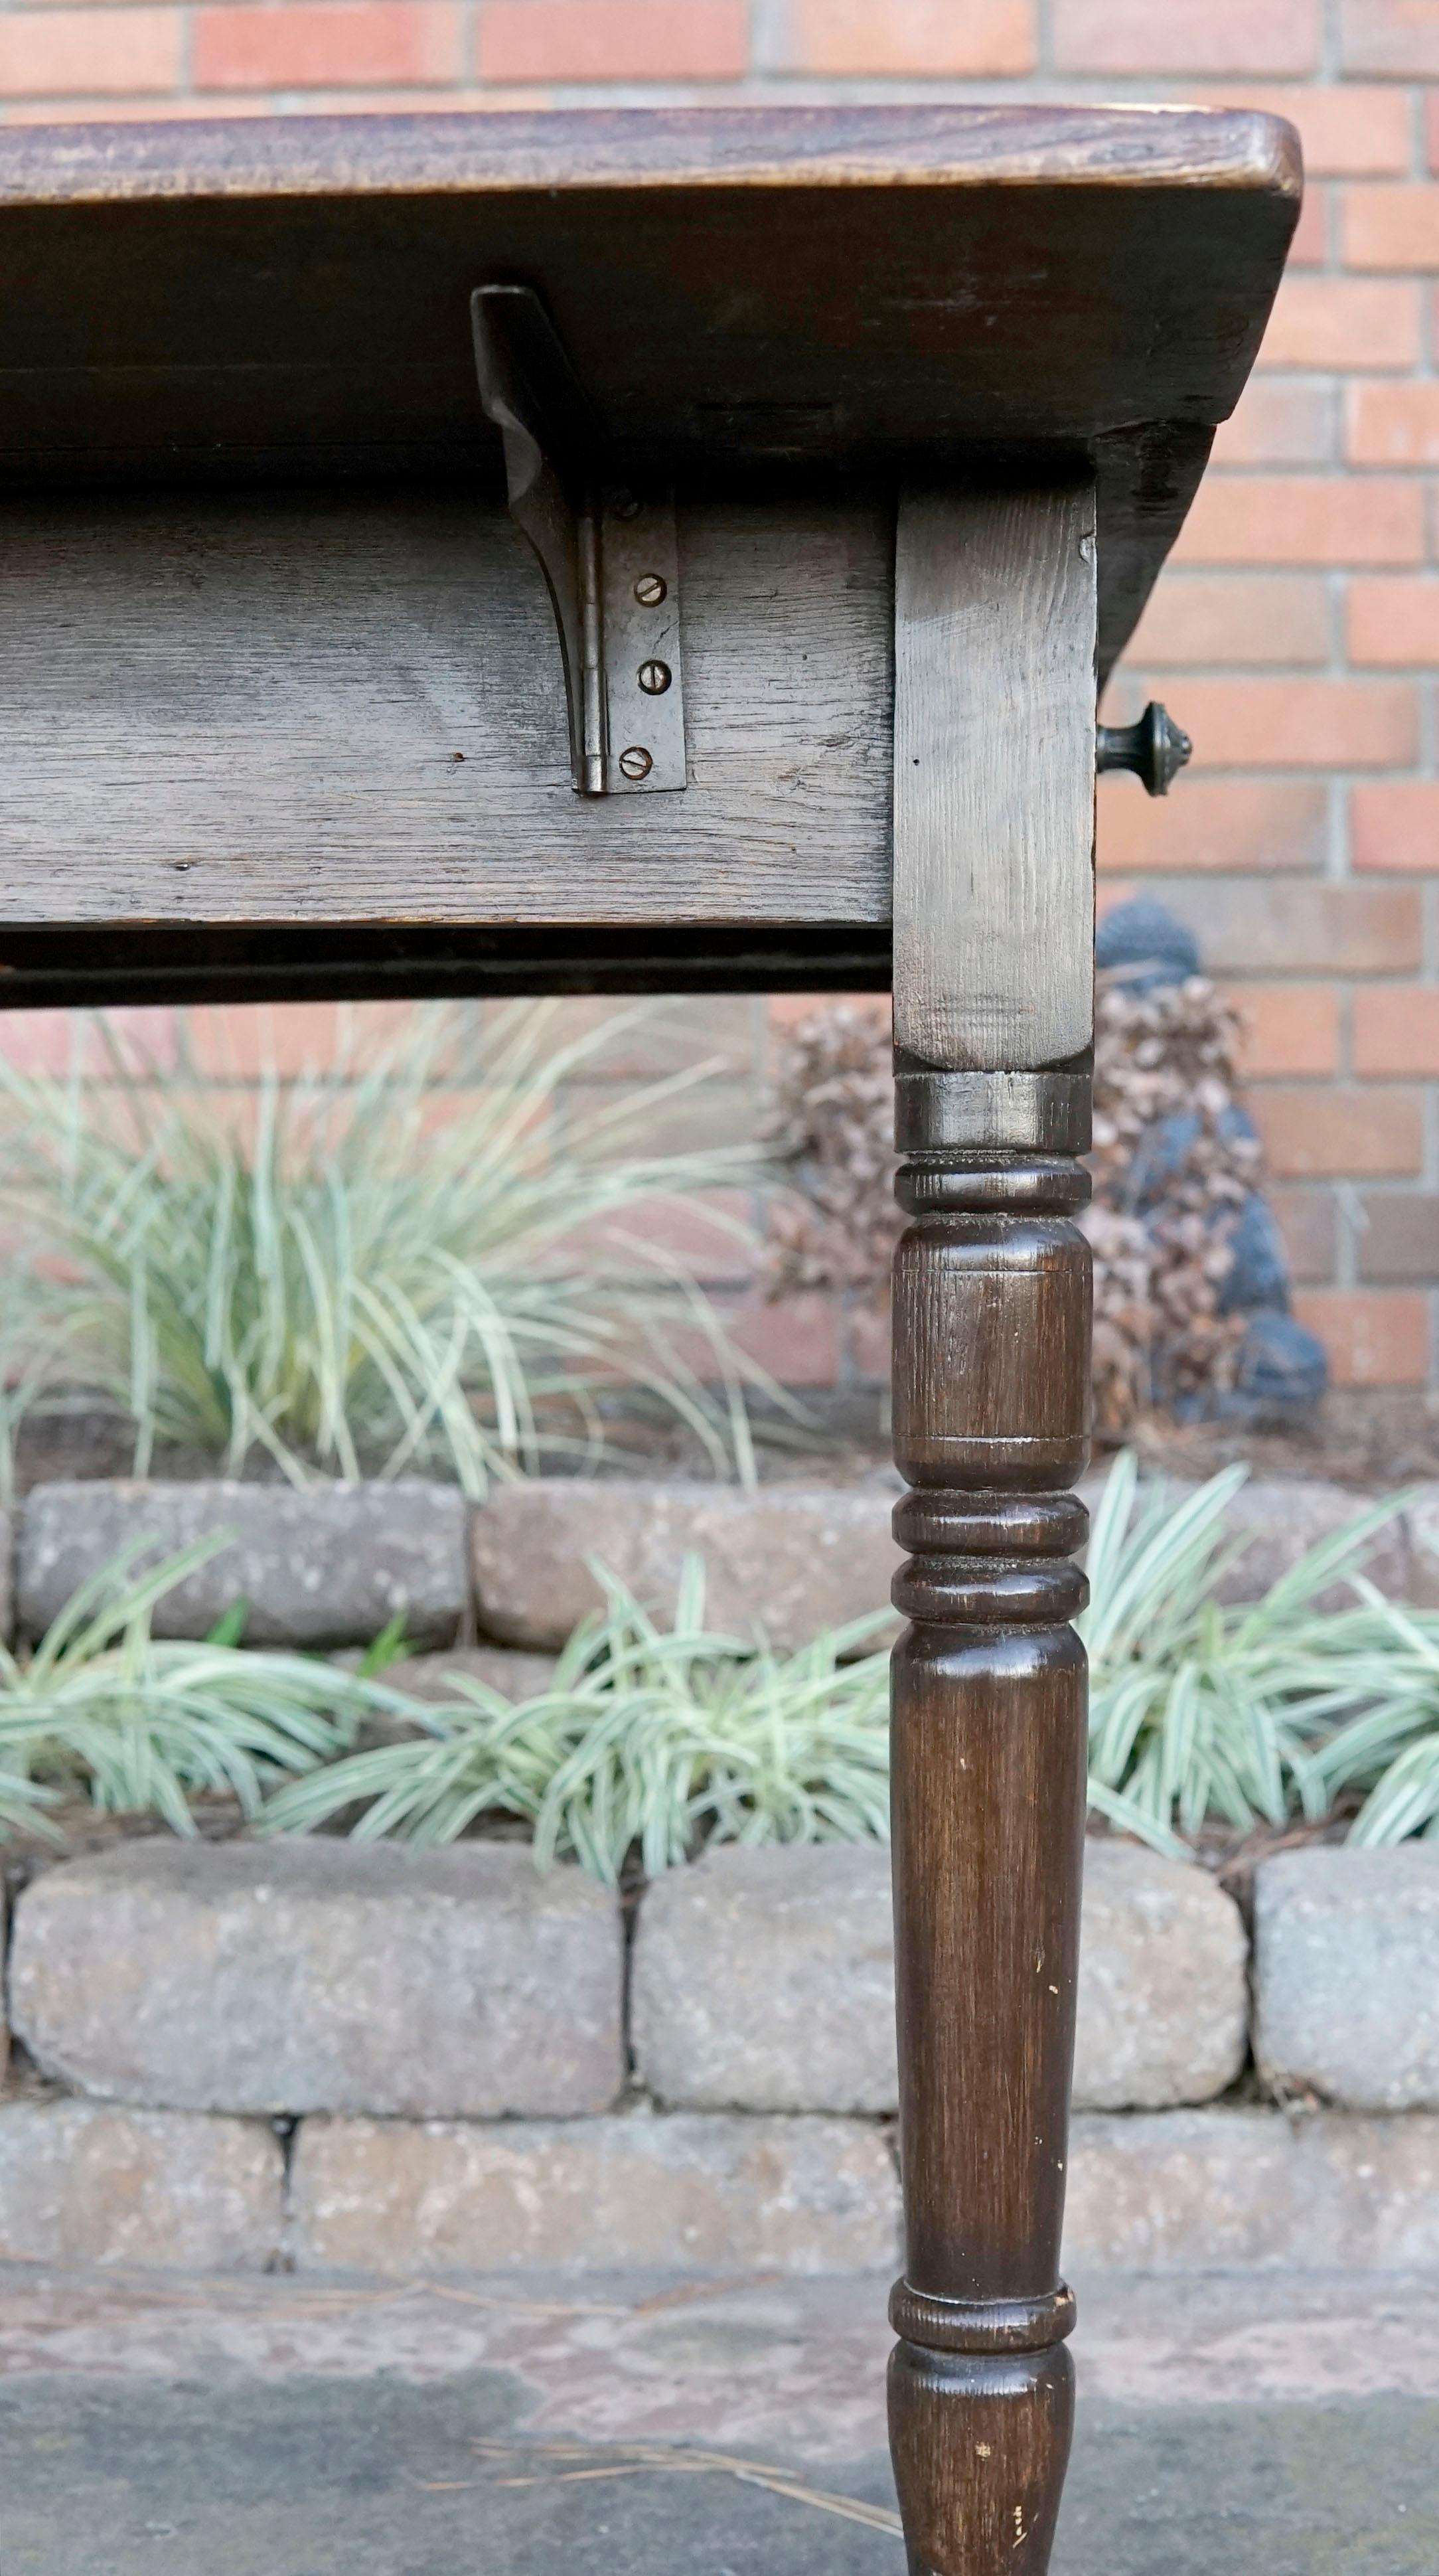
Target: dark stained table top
(748, 296)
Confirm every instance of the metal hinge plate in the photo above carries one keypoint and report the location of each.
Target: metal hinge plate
(609, 555)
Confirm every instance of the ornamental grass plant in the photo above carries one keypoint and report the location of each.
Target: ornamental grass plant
(650, 1739)
(103, 1710)
(656, 1738)
(372, 1268)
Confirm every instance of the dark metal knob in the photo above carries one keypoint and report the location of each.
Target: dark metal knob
(1154, 748)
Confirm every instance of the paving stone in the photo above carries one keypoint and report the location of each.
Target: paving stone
(83, 2183)
(765, 1980)
(323, 1975)
(1347, 1975)
(1192, 2190)
(327, 1567)
(781, 1563)
(692, 2193)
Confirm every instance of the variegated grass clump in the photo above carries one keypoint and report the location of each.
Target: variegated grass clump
(655, 1739)
(346, 1277)
(650, 1739)
(1247, 1714)
(138, 1725)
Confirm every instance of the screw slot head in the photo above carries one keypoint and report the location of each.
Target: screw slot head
(655, 678)
(625, 506)
(636, 762)
(650, 589)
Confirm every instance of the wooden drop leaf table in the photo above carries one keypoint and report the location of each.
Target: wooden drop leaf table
(484, 554)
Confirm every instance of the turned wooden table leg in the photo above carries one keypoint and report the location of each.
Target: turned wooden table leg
(993, 917)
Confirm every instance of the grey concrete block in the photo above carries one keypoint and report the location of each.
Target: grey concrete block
(8, 1527)
(82, 2183)
(1422, 1529)
(505, 1669)
(1202, 2190)
(323, 1976)
(327, 1567)
(1163, 1988)
(782, 1563)
(1282, 1518)
(765, 1979)
(1347, 1975)
(713, 2195)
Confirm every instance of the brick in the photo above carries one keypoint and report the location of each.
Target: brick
(1302, 519)
(1237, 825)
(1346, 1976)
(1131, 36)
(1286, 929)
(707, 2194)
(1397, 1239)
(765, 1980)
(843, 39)
(1309, 244)
(323, 1976)
(1396, 1029)
(782, 1563)
(1390, 227)
(1165, 2191)
(310, 42)
(1344, 323)
(1391, 36)
(1279, 420)
(1245, 618)
(1310, 1133)
(1348, 131)
(1391, 425)
(869, 1344)
(88, 52)
(1301, 724)
(1308, 1221)
(238, 1042)
(328, 1567)
(83, 2183)
(1394, 825)
(49, 1042)
(1287, 1029)
(613, 40)
(796, 1340)
(1374, 1337)
(1393, 621)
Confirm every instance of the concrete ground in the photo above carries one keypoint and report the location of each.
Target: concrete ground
(1261, 2424)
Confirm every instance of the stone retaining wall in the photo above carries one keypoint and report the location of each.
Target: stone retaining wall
(344, 2056)
(328, 1568)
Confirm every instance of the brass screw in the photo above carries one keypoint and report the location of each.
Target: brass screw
(655, 678)
(636, 762)
(650, 589)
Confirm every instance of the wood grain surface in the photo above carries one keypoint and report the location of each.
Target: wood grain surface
(993, 777)
(325, 707)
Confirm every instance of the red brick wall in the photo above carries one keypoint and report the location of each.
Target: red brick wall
(1297, 634)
